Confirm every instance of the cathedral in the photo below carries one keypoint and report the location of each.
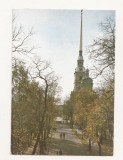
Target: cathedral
(81, 74)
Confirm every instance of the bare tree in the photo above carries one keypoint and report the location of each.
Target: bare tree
(42, 71)
(20, 39)
(102, 51)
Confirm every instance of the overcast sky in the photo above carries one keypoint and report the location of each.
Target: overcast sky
(57, 32)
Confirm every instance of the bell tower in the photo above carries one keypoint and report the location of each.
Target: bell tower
(80, 70)
(81, 74)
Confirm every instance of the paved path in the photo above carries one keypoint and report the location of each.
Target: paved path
(71, 145)
(69, 135)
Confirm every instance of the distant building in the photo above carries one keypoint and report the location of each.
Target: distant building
(81, 74)
(59, 119)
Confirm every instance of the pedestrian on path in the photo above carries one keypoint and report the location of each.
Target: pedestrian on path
(60, 152)
(60, 135)
(63, 135)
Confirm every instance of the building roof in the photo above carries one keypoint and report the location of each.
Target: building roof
(58, 119)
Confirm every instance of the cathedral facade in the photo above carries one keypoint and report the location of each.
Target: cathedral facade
(81, 74)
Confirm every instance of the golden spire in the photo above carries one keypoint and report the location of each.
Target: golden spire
(80, 49)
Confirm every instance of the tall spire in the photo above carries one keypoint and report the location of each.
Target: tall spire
(80, 49)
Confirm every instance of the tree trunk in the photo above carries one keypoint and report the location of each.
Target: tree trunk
(99, 144)
(97, 131)
(101, 138)
(41, 147)
(89, 144)
(105, 135)
(45, 146)
(82, 134)
(36, 144)
(39, 139)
